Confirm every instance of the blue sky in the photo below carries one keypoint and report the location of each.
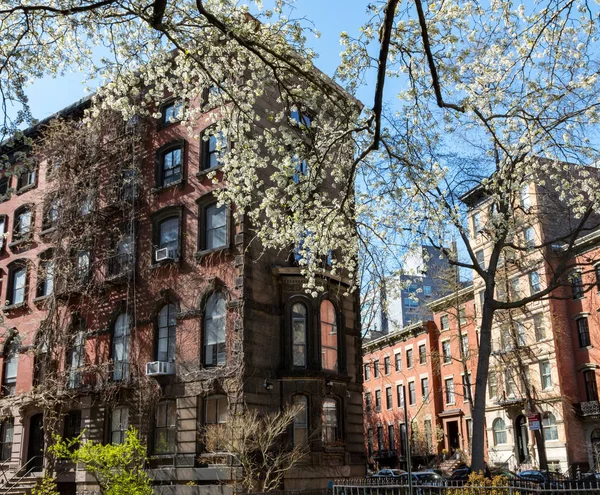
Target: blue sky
(330, 17)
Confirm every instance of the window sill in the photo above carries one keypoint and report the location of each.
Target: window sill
(207, 252)
(450, 403)
(160, 264)
(24, 189)
(14, 307)
(586, 347)
(21, 242)
(41, 299)
(160, 189)
(164, 125)
(206, 171)
(447, 363)
(48, 230)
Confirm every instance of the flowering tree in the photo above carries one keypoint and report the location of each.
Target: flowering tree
(484, 89)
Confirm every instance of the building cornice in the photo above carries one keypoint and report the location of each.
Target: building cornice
(462, 295)
(403, 333)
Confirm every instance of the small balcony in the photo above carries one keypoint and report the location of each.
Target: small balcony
(589, 409)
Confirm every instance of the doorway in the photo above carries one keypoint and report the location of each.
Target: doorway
(35, 446)
(522, 439)
(453, 438)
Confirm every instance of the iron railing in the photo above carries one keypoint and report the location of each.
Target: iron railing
(590, 408)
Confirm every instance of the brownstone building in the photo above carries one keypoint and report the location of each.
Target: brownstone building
(134, 298)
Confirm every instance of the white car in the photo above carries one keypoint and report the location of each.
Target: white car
(388, 473)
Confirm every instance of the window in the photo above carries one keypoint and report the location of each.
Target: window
(378, 400)
(467, 389)
(82, 266)
(119, 423)
(505, 337)
(376, 368)
(428, 434)
(597, 270)
(525, 197)
(492, 385)
(165, 427)
(409, 358)
(76, 359)
(411, 302)
(27, 178)
(583, 332)
(23, 224)
(464, 346)
(391, 439)
(11, 361)
(87, 202)
(549, 426)
(481, 300)
(469, 427)
(329, 337)
(300, 420)
(576, 285)
(545, 375)
(6, 438)
(444, 322)
(449, 385)
(215, 316)
(168, 239)
(367, 371)
(120, 347)
(170, 168)
(521, 334)
(216, 410)
(515, 289)
(330, 421)
(591, 386)
(170, 112)
(425, 388)
(4, 185)
(167, 332)
(422, 354)
(52, 213)
(446, 353)
(539, 327)
(380, 443)
(400, 395)
(388, 397)
(72, 426)
(45, 285)
(368, 401)
(480, 258)
(213, 149)
(370, 440)
(17, 283)
(387, 365)
(462, 316)
(534, 282)
(477, 225)
(398, 361)
(427, 292)
(529, 236)
(215, 231)
(510, 385)
(121, 262)
(499, 429)
(3, 223)
(299, 327)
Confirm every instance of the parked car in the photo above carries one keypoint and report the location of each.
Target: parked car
(544, 479)
(433, 481)
(388, 473)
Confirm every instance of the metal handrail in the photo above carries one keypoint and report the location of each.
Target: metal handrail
(28, 471)
(2, 466)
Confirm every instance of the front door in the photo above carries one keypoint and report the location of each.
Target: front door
(522, 439)
(453, 439)
(35, 448)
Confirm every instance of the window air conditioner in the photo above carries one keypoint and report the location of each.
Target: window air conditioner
(160, 368)
(164, 254)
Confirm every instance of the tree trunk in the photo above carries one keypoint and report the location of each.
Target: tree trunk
(483, 365)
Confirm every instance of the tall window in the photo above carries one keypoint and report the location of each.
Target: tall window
(6, 438)
(27, 178)
(299, 335)
(400, 395)
(387, 368)
(52, 213)
(301, 420)
(597, 271)
(214, 149)
(168, 236)
(398, 361)
(76, 359)
(466, 383)
(165, 427)
(122, 261)
(425, 388)
(391, 437)
(119, 422)
(3, 223)
(170, 112)
(515, 288)
(576, 285)
(82, 266)
(120, 347)
(4, 183)
(539, 327)
(520, 331)
(449, 385)
(11, 361)
(534, 282)
(171, 165)
(499, 429)
(529, 236)
(376, 368)
(215, 415)
(525, 197)
(477, 225)
(545, 375)
(23, 223)
(368, 402)
(378, 400)
(215, 226)
(428, 434)
(329, 336)
(444, 322)
(72, 425)
(583, 332)
(45, 285)
(422, 354)
(549, 426)
(412, 394)
(464, 345)
(480, 257)
(388, 397)
(591, 385)
(167, 328)
(215, 316)
(17, 283)
(367, 371)
(492, 384)
(409, 358)
(446, 353)
(330, 421)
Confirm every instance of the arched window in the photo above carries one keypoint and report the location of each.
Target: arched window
(167, 328)
(120, 347)
(299, 335)
(499, 428)
(330, 427)
(549, 426)
(76, 358)
(11, 360)
(329, 337)
(215, 315)
(300, 420)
